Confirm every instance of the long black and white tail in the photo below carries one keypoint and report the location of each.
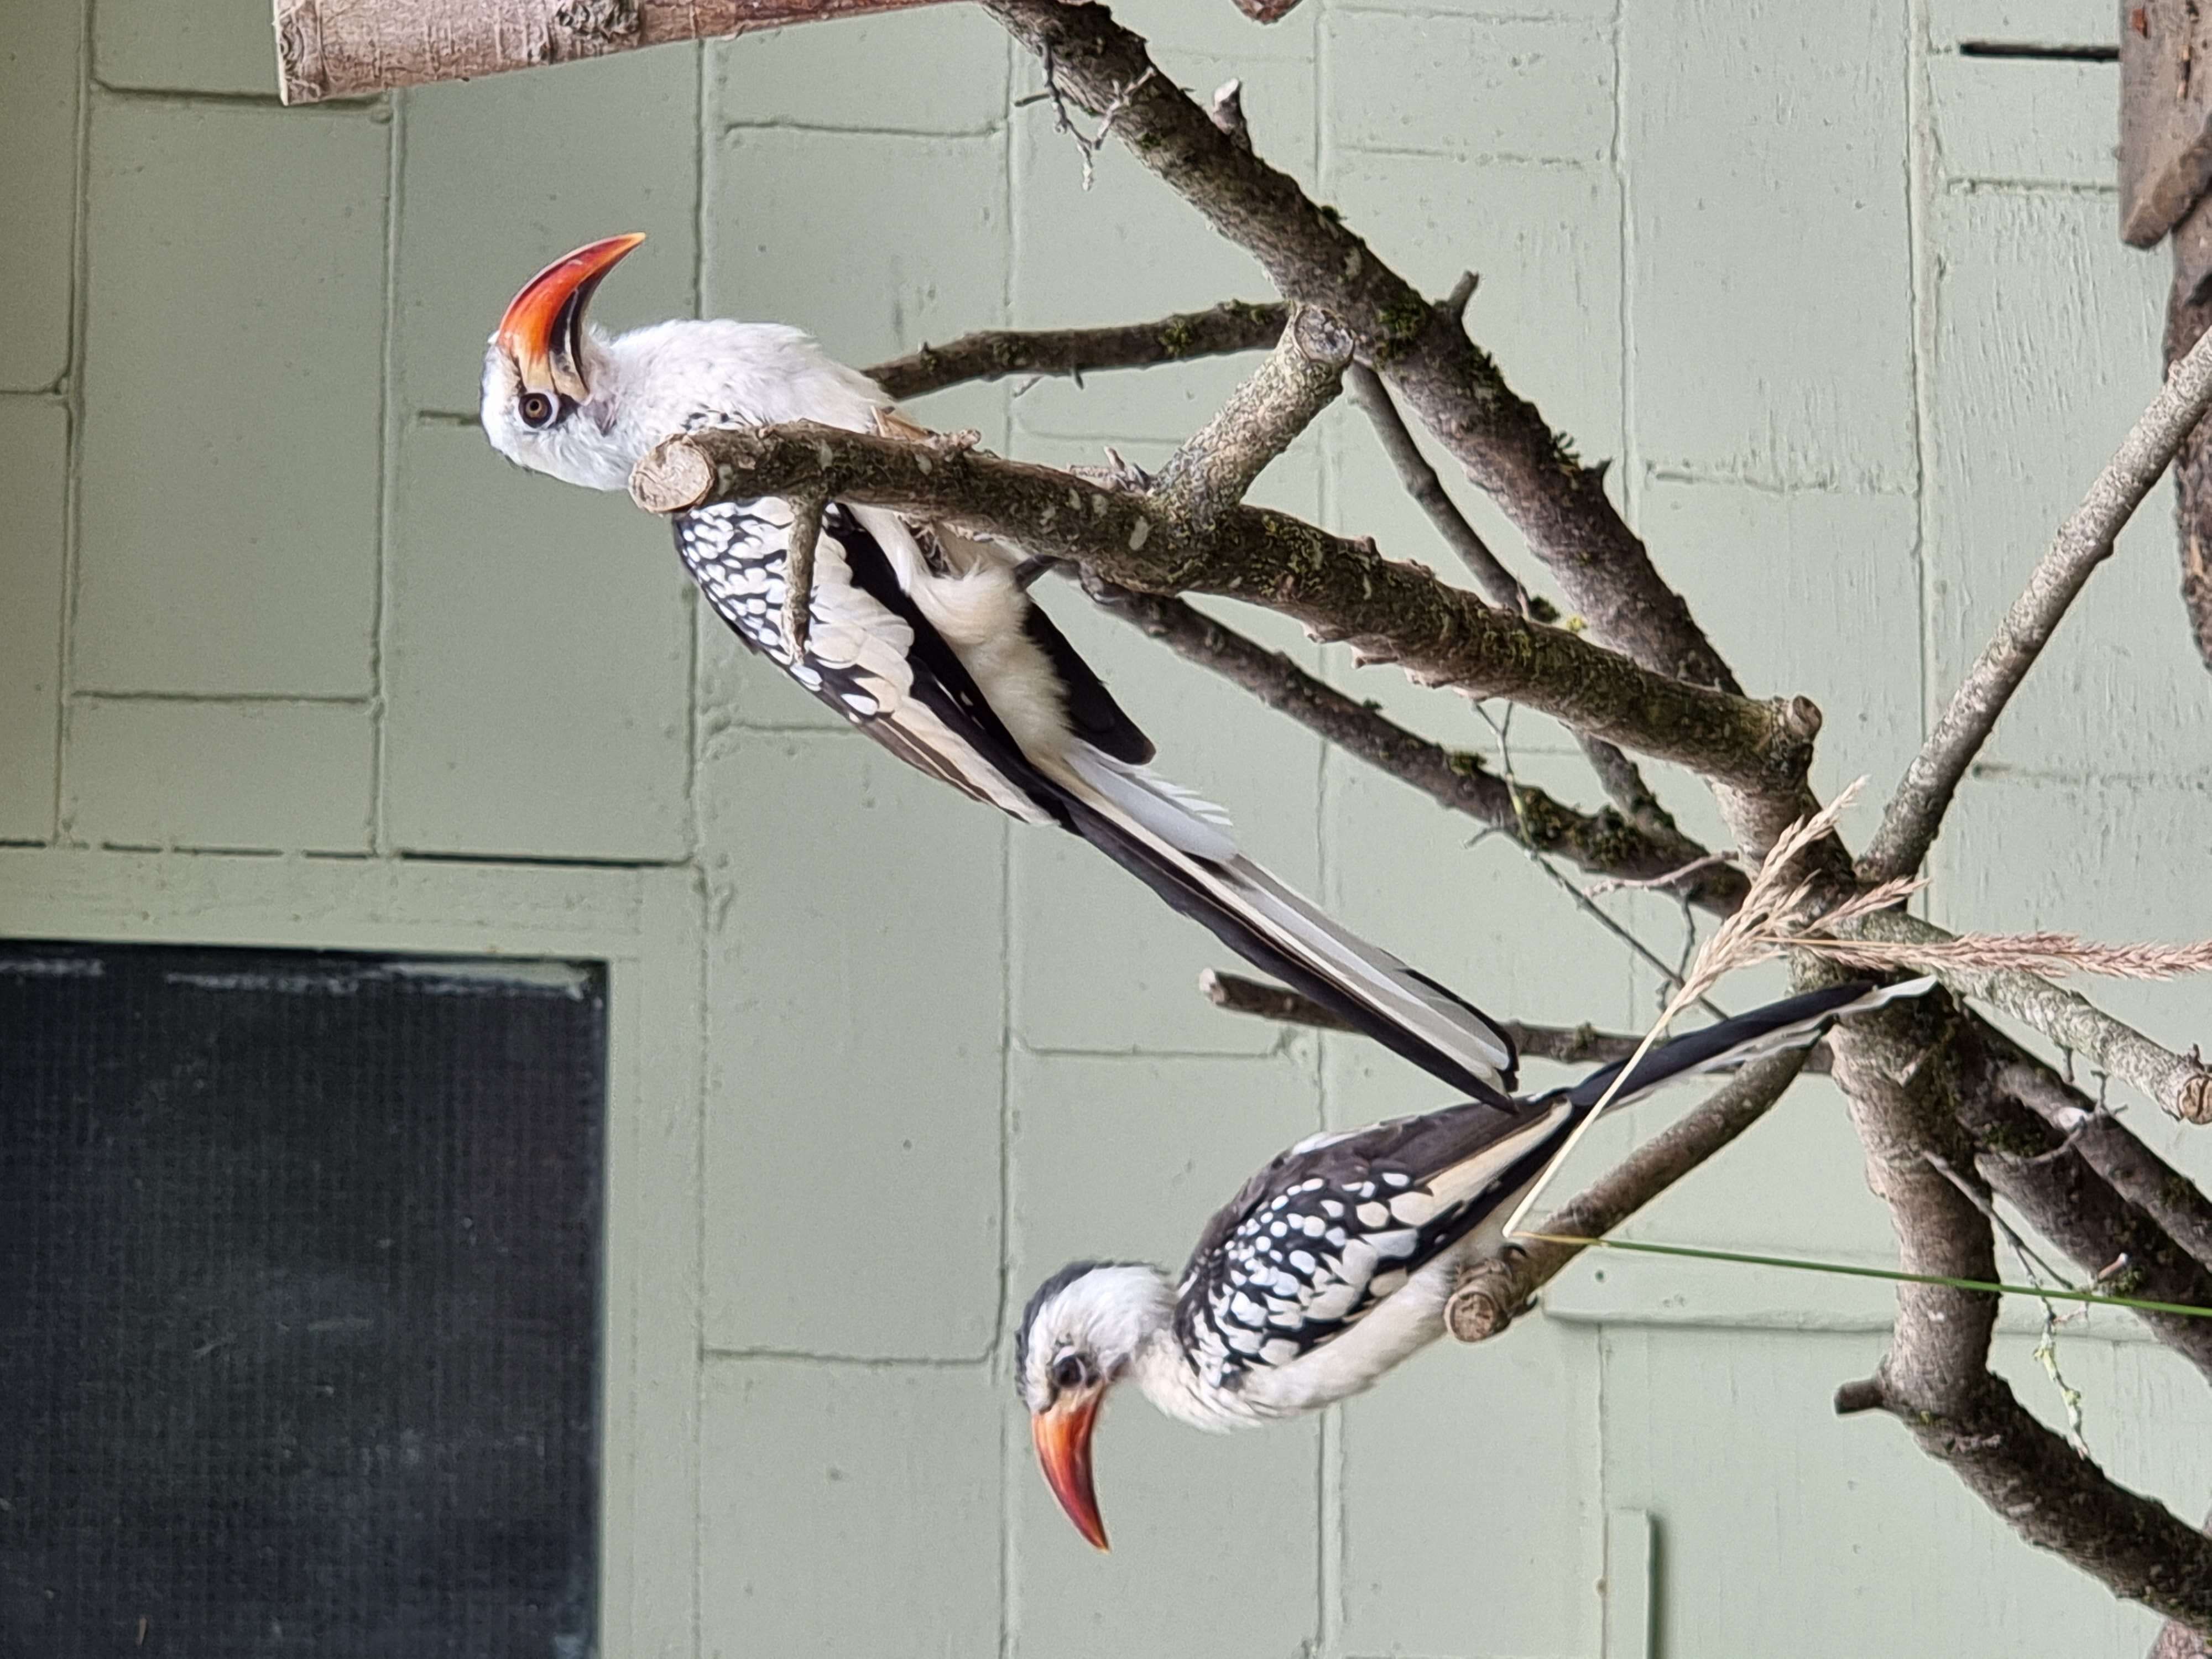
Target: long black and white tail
(1793, 1023)
(1185, 850)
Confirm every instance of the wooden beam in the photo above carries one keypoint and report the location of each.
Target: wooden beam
(349, 48)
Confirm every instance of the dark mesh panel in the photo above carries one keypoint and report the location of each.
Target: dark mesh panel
(298, 1304)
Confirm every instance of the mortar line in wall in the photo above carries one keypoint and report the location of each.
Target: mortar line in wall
(1632, 468)
(312, 699)
(73, 415)
(709, 1351)
(1919, 163)
(1009, 1452)
(387, 466)
(702, 1098)
(1329, 1470)
(694, 714)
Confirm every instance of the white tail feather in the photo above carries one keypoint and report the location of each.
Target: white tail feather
(1196, 832)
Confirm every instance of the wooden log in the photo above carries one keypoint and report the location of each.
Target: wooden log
(349, 48)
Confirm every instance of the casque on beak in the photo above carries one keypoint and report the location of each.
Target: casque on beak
(543, 332)
(1062, 1433)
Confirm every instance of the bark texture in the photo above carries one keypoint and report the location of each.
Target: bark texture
(993, 354)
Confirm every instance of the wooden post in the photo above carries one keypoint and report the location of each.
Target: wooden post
(349, 48)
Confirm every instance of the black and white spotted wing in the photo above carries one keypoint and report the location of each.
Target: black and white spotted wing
(870, 654)
(1318, 1237)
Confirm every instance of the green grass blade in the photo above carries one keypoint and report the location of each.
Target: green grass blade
(2053, 1293)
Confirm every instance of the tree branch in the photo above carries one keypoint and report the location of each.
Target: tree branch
(1603, 843)
(344, 49)
(1494, 1290)
(1347, 590)
(1499, 585)
(2188, 312)
(2134, 1172)
(1624, 785)
(1456, 391)
(1570, 1045)
(1211, 470)
(2085, 541)
(2179, 1083)
(992, 353)
(1897, 1068)
(2048, 1180)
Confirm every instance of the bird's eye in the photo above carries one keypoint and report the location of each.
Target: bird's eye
(536, 409)
(1071, 1371)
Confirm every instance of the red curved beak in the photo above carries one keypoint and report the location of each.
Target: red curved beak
(543, 331)
(1063, 1448)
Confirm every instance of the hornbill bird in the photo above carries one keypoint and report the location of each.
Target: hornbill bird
(1332, 1264)
(927, 641)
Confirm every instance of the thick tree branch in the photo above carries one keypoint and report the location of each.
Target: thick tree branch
(2134, 1172)
(1455, 389)
(1345, 589)
(1603, 843)
(2085, 541)
(1211, 470)
(992, 353)
(1494, 1290)
(2188, 312)
(1900, 1069)
(2179, 1084)
(345, 49)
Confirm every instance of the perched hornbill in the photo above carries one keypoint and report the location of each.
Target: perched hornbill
(1335, 1262)
(928, 643)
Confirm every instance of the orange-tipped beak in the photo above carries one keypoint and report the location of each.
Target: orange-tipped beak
(1063, 1448)
(543, 331)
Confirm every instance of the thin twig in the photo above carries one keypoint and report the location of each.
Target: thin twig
(2084, 541)
(1583, 901)
(992, 353)
(1500, 586)
(1622, 884)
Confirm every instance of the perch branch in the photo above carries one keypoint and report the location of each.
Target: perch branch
(1389, 610)
(1234, 325)
(1602, 844)
(1455, 389)
(1915, 812)
(1211, 470)
(1570, 1045)
(344, 49)
(1496, 1288)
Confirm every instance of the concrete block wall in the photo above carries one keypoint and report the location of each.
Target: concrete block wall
(1847, 310)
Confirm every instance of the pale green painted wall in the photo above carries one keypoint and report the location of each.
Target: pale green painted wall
(1847, 307)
